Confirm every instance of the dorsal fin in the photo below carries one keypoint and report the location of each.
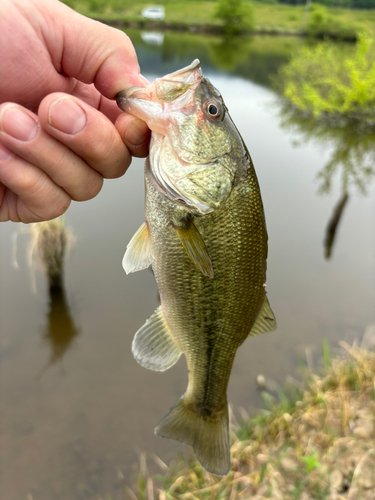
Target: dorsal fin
(195, 248)
(153, 345)
(265, 322)
(138, 251)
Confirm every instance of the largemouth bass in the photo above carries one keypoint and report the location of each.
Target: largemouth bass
(205, 236)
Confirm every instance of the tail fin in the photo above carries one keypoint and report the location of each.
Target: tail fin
(209, 437)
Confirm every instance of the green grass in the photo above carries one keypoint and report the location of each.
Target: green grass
(291, 449)
(192, 12)
(268, 17)
(291, 17)
(314, 444)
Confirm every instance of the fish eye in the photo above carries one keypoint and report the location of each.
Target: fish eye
(213, 109)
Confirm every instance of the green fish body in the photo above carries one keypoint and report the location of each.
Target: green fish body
(205, 237)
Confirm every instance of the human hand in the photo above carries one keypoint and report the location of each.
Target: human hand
(60, 132)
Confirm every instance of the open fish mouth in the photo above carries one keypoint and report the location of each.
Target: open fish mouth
(205, 236)
(190, 145)
(164, 89)
(153, 103)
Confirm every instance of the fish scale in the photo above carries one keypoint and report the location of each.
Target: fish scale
(208, 248)
(186, 294)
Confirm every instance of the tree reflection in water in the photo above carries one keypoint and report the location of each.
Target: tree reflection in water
(51, 242)
(332, 225)
(352, 158)
(60, 331)
(230, 51)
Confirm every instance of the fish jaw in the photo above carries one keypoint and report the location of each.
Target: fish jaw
(155, 102)
(209, 266)
(191, 150)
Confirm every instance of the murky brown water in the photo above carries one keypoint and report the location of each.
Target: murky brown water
(77, 409)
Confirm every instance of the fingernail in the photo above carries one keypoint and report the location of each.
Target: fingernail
(67, 116)
(137, 132)
(5, 153)
(17, 123)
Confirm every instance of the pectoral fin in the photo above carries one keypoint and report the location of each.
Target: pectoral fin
(195, 248)
(153, 345)
(138, 251)
(265, 322)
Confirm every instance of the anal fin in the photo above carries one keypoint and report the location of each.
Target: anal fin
(265, 322)
(195, 248)
(153, 345)
(138, 251)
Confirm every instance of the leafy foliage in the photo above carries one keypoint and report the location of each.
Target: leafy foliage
(321, 24)
(363, 4)
(319, 83)
(235, 15)
(271, 16)
(349, 4)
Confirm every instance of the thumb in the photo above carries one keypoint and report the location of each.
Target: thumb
(92, 52)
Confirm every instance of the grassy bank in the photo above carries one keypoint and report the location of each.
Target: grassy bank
(319, 444)
(199, 15)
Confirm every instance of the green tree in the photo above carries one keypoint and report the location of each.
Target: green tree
(363, 4)
(235, 15)
(320, 83)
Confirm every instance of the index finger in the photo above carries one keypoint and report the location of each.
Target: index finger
(90, 51)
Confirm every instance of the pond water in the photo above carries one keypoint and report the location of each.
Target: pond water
(76, 408)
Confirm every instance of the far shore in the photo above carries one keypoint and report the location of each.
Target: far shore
(199, 16)
(211, 29)
(192, 28)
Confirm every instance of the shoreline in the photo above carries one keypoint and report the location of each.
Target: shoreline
(316, 443)
(192, 28)
(213, 29)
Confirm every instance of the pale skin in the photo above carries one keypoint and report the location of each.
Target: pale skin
(61, 132)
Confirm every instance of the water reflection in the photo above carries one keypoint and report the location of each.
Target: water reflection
(153, 38)
(254, 58)
(51, 241)
(333, 224)
(88, 423)
(352, 158)
(229, 52)
(353, 152)
(61, 331)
